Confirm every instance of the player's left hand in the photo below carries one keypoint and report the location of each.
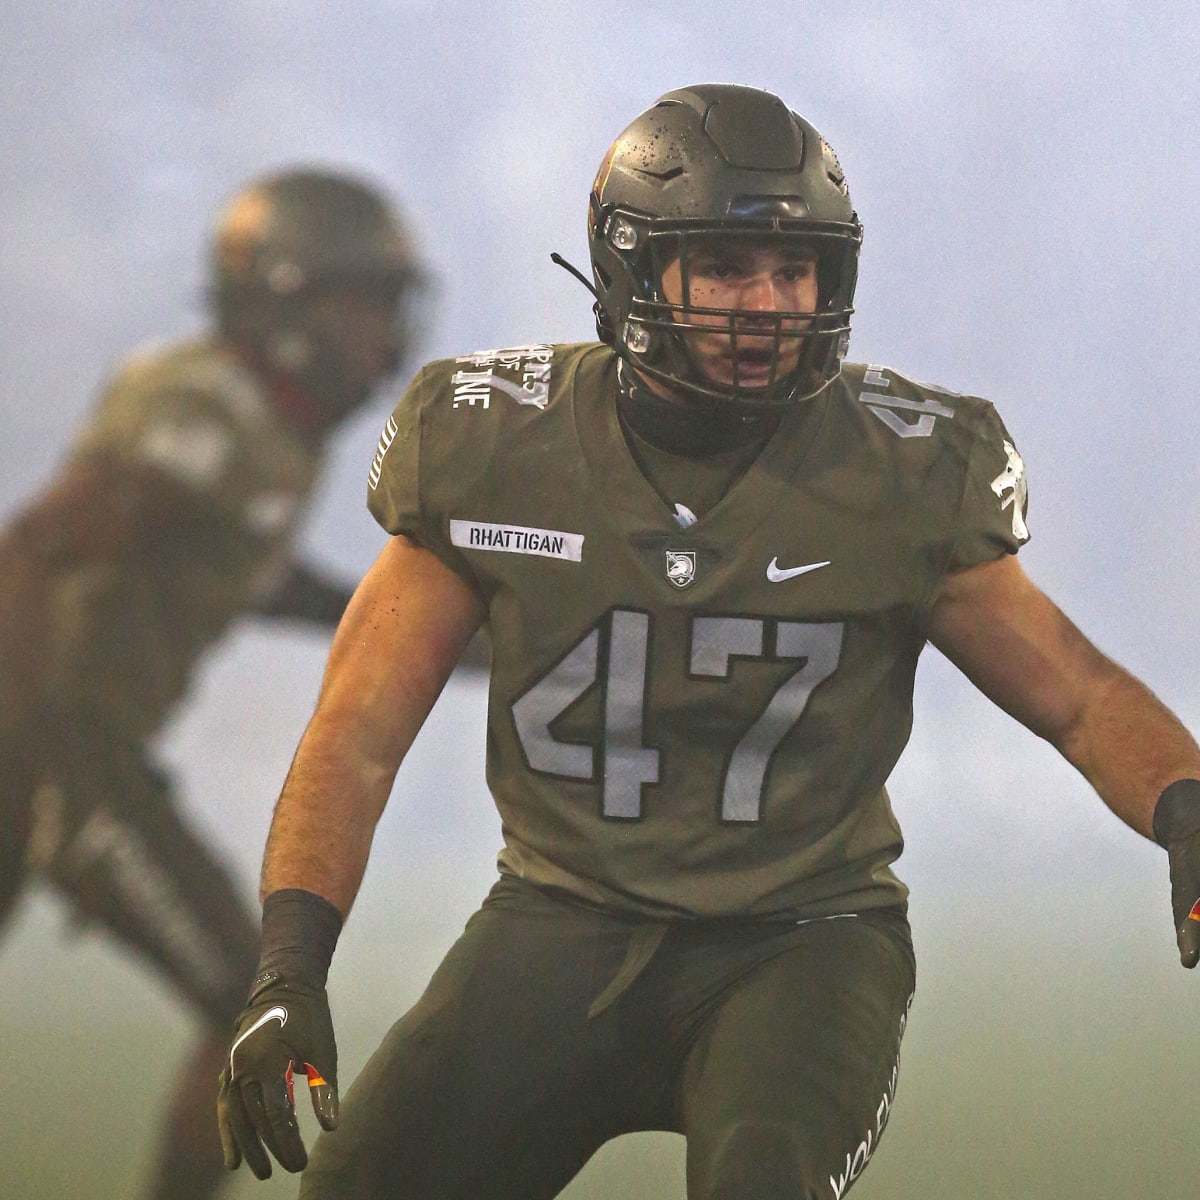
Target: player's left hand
(1184, 857)
(284, 1029)
(1177, 827)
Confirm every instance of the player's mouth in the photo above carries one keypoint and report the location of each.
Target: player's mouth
(750, 365)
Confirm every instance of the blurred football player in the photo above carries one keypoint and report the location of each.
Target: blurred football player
(175, 513)
(709, 553)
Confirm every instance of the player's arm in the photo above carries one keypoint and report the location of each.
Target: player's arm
(100, 507)
(402, 634)
(1018, 648)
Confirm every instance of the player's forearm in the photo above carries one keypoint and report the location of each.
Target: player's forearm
(335, 792)
(393, 651)
(1129, 746)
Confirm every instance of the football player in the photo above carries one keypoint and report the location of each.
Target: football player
(175, 513)
(709, 553)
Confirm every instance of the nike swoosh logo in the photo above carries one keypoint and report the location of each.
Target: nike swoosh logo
(777, 574)
(278, 1013)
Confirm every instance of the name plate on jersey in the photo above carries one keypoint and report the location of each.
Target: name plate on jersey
(517, 539)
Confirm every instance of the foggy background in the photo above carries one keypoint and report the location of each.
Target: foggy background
(1027, 176)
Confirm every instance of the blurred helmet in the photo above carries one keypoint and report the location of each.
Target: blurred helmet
(721, 161)
(288, 243)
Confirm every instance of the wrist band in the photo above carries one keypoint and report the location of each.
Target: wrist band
(1177, 813)
(299, 932)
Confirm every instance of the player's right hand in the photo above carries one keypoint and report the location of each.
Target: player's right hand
(284, 1030)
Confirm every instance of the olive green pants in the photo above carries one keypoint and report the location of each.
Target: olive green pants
(772, 1047)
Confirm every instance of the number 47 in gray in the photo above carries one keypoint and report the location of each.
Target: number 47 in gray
(628, 764)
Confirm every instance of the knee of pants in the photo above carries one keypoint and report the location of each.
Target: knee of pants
(759, 1160)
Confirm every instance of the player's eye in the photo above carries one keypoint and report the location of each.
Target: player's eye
(797, 272)
(712, 267)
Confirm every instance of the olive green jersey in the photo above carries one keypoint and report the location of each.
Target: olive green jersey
(697, 717)
(127, 633)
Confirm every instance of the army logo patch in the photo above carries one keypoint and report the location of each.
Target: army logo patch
(681, 567)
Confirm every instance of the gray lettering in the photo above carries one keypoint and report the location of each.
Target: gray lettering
(537, 708)
(150, 890)
(888, 408)
(856, 1163)
(923, 406)
(627, 763)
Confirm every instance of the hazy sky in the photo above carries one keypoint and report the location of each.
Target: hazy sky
(1027, 174)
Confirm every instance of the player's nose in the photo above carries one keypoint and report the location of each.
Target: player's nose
(759, 293)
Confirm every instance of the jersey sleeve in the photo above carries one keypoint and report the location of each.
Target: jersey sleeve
(393, 482)
(994, 500)
(397, 491)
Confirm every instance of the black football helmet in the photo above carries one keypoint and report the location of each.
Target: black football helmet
(719, 160)
(290, 238)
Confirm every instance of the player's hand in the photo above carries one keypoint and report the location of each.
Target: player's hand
(285, 1030)
(1177, 826)
(1184, 859)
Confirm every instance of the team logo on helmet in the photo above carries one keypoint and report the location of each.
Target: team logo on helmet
(681, 567)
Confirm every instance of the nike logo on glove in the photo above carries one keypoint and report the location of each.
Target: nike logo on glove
(279, 1013)
(777, 574)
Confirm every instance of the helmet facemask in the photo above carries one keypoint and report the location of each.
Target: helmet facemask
(684, 327)
(720, 162)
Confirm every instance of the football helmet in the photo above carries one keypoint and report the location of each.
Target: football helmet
(719, 161)
(281, 247)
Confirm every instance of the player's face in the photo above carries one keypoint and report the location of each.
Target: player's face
(757, 280)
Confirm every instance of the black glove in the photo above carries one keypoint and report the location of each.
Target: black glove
(1177, 827)
(285, 1029)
